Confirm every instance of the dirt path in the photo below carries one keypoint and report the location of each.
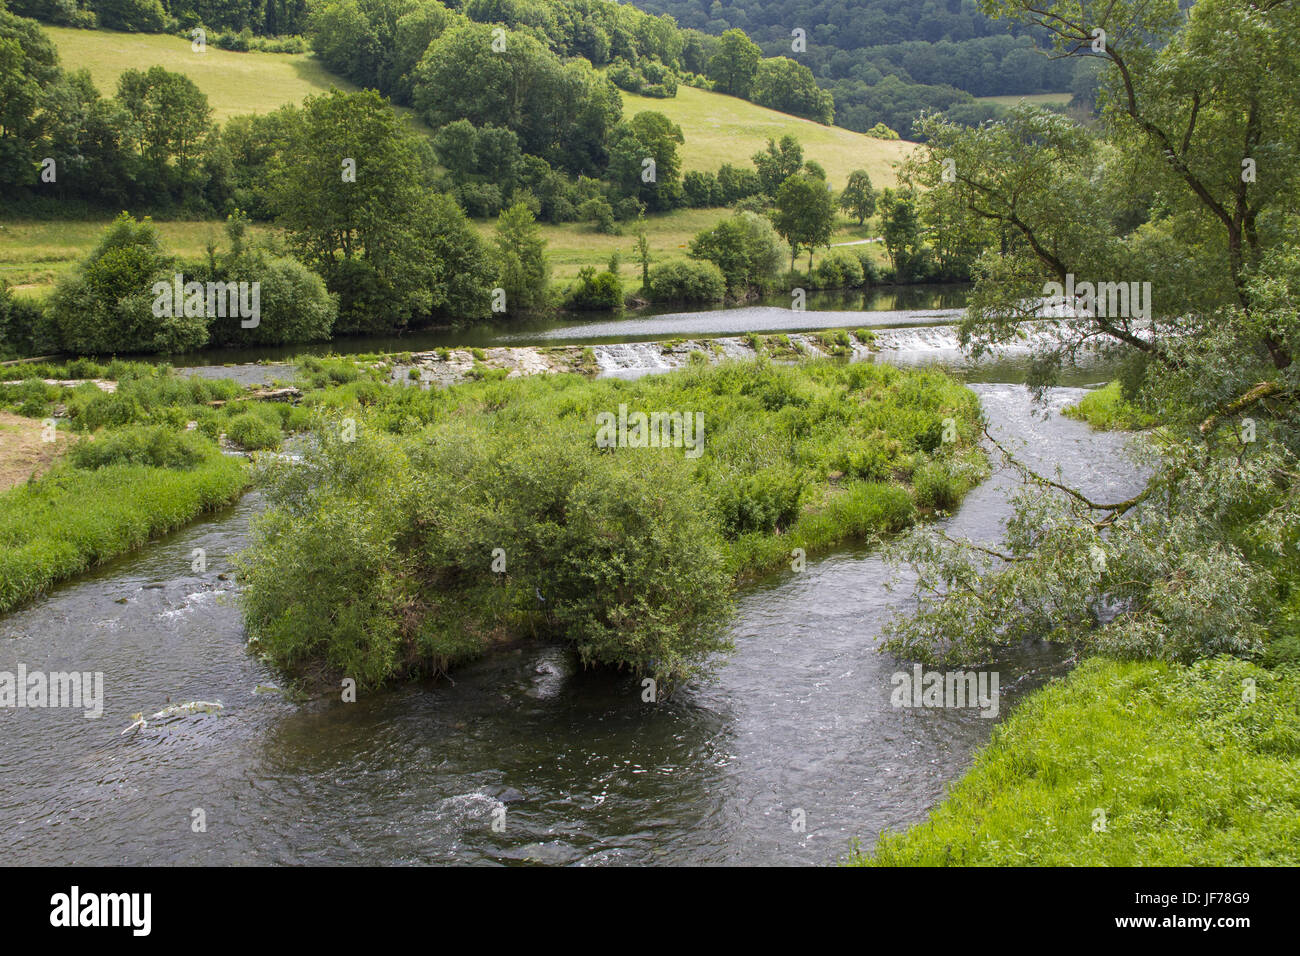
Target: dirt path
(23, 451)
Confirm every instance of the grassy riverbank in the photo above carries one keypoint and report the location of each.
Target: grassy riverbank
(1106, 408)
(424, 526)
(75, 517)
(123, 466)
(1181, 765)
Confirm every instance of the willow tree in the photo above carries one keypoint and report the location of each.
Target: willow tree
(1188, 182)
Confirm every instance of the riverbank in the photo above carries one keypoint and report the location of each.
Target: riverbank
(1128, 764)
(74, 518)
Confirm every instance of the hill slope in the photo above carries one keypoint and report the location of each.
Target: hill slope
(719, 129)
(234, 82)
(723, 129)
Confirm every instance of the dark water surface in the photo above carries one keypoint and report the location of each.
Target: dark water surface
(798, 719)
(905, 305)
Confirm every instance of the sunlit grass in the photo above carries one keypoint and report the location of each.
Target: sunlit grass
(723, 129)
(1180, 765)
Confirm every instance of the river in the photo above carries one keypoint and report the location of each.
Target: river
(797, 724)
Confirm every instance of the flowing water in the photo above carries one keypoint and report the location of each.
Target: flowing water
(797, 725)
(906, 305)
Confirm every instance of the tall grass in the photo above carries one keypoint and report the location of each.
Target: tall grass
(72, 519)
(1128, 764)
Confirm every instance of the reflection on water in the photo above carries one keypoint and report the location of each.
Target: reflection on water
(798, 719)
(904, 305)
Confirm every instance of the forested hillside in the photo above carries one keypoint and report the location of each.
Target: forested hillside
(861, 64)
(884, 60)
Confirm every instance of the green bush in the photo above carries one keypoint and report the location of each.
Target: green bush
(594, 291)
(838, 269)
(107, 304)
(936, 487)
(252, 431)
(679, 280)
(765, 502)
(157, 445)
(629, 553)
(25, 328)
(293, 303)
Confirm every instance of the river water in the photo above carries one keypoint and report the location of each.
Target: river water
(796, 725)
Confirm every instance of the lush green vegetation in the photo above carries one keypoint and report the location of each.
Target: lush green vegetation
(136, 466)
(1183, 765)
(384, 227)
(1179, 593)
(396, 512)
(105, 502)
(1106, 408)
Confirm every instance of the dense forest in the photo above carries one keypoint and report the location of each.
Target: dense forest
(886, 60)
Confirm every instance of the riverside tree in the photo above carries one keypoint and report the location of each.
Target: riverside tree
(805, 214)
(522, 270)
(1189, 184)
(351, 187)
(859, 197)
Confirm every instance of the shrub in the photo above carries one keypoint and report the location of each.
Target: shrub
(594, 290)
(252, 432)
(25, 329)
(762, 502)
(935, 487)
(681, 281)
(838, 270)
(107, 304)
(159, 446)
(293, 303)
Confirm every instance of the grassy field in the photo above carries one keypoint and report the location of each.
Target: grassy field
(235, 83)
(34, 253)
(1128, 764)
(717, 129)
(1039, 98)
(722, 129)
(576, 244)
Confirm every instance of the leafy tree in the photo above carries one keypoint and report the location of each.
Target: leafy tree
(106, 304)
(170, 116)
(745, 247)
(562, 112)
(805, 214)
(900, 228)
(522, 269)
(782, 84)
(1169, 189)
(28, 64)
(349, 188)
(735, 64)
(648, 136)
(859, 198)
(132, 16)
(777, 163)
